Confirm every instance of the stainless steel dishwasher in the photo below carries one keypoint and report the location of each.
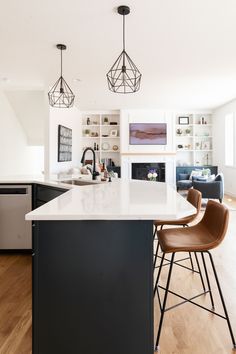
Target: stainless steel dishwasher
(15, 202)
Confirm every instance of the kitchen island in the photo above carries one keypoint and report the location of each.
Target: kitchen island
(93, 267)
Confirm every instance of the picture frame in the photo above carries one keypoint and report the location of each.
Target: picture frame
(184, 120)
(64, 144)
(113, 133)
(206, 145)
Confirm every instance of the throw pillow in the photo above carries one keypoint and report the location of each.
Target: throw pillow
(183, 176)
(195, 173)
(211, 178)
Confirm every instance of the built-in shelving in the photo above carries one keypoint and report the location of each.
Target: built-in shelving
(194, 146)
(94, 126)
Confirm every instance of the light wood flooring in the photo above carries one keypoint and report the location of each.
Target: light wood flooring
(186, 330)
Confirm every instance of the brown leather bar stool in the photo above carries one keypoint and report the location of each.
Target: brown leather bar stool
(206, 235)
(195, 198)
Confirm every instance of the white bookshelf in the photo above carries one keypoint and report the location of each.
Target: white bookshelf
(105, 135)
(194, 140)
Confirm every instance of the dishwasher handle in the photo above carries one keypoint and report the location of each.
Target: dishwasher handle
(13, 190)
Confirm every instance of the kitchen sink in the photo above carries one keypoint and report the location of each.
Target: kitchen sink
(79, 182)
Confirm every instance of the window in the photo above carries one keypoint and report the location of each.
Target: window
(229, 139)
(230, 135)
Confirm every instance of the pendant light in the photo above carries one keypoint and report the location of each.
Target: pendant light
(60, 95)
(124, 76)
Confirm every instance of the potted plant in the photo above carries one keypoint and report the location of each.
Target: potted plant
(187, 131)
(87, 132)
(105, 121)
(179, 131)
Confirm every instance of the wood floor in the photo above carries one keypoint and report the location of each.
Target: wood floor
(187, 329)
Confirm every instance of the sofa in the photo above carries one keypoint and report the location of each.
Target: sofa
(211, 190)
(183, 174)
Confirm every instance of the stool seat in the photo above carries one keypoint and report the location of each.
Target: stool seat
(190, 239)
(183, 221)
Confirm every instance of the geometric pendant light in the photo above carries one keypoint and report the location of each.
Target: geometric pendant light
(124, 76)
(60, 95)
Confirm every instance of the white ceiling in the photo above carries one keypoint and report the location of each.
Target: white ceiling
(185, 49)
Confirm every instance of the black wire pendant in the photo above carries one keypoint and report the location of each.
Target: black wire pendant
(60, 95)
(124, 76)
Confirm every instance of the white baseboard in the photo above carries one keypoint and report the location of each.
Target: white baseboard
(230, 194)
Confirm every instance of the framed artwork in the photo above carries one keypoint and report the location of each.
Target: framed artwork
(184, 120)
(206, 145)
(64, 144)
(113, 133)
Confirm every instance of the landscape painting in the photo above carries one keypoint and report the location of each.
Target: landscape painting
(147, 134)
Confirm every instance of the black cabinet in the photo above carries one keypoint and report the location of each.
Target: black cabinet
(43, 194)
(93, 287)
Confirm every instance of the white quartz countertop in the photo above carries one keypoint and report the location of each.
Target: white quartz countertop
(119, 200)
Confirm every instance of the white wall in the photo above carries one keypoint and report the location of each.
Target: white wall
(219, 146)
(70, 118)
(16, 157)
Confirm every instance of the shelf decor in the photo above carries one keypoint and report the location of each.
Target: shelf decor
(184, 120)
(64, 144)
(60, 95)
(124, 76)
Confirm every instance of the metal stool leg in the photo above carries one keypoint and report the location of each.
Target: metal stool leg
(191, 261)
(159, 273)
(208, 281)
(155, 231)
(164, 301)
(156, 255)
(222, 300)
(200, 272)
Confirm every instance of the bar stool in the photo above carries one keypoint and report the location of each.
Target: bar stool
(195, 198)
(206, 235)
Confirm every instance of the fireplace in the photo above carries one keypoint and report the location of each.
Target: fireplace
(141, 170)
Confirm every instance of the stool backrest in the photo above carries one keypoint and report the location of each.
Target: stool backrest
(216, 219)
(195, 198)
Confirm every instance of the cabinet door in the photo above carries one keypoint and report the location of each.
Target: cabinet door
(45, 194)
(93, 287)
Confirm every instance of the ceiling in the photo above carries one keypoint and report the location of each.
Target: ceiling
(185, 49)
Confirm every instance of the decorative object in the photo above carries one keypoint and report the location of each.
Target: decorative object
(197, 145)
(64, 144)
(105, 121)
(115, 147)
(60, 95)
(105, 146)
(87, 132)
(88, 121)
(113, 123)
(152, 175)
(124, 76)
(187, 131)
(148, 134)
(113, 133)
(179, 131)
(105, 135)
(202, 120)
(184, 120)
(180, 146)
(206, 145)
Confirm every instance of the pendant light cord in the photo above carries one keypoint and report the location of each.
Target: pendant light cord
(61, 62)
(123, 32)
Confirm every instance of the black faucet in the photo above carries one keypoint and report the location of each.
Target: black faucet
(94, 173)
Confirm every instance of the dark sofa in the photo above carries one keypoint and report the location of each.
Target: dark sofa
(211, 190)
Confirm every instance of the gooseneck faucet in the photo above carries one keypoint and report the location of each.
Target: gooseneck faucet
(94, 173)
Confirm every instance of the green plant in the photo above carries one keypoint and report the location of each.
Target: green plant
(187, 131)
(179, 131)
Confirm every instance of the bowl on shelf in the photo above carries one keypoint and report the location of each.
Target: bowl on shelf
(105, 146)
